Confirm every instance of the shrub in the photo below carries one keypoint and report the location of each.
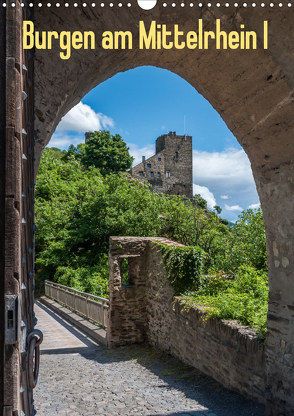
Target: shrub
(243, 298)
(184, 266)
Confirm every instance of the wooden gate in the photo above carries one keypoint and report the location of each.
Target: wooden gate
(18, 339)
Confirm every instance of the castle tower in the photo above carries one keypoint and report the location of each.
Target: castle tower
(169, 170)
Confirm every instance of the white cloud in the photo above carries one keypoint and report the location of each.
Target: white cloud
(224, 196)
(82, 118)
(233, 208)
(137, 152)
(206, 194)
(230, 166)
(62, 141)
(227, 173)
(254, 206)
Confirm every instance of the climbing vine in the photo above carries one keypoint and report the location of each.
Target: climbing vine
(183, 266)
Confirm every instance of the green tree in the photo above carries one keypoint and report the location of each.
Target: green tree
(77, 210)
(200, 201)
(194, 226)
(249, 239)
(244, 245)
(218, 209)
(76, 152)
(56, 153)
(107, 152)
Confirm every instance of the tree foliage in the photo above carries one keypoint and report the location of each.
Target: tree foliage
(200, 201)
(107, 152)
(56, 153)
(217, 209)
(246, 244)
(77, 210)
(74, 151)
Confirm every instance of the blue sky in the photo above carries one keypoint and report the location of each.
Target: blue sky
(143, 103)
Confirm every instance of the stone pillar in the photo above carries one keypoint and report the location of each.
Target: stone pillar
(276, 190)
(2, 192)
(127, 310)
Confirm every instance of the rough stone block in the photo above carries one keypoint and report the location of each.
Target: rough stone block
(12, 235)
(13, 165)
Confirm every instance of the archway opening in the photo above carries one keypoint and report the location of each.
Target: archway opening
(146, 102)
(142, 105)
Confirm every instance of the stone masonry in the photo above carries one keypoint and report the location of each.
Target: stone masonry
(144, 310)
(169, 171)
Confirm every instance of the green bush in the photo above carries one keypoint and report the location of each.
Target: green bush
(243, 298)
(92, 280)
(244, 245)
(183, 266)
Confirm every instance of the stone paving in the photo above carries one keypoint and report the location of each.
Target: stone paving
(79, 377)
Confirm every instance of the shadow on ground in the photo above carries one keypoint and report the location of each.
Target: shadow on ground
(177, 375)
(173, 374)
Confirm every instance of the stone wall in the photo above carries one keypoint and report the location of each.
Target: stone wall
(180, 167)
(17, 227)
(169, 171)
(145, 310)
(157, 169)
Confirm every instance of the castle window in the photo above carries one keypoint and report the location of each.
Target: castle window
(158, 174)
(151, 174)
(167, 174)
(141, 173)
(158, 167)
(176, 155)
(148, 165)
(159, 159)
(174, 185)
(184, 185)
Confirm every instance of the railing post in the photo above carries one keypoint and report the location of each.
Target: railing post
(87, 306)
(103, 323)
(75, 301)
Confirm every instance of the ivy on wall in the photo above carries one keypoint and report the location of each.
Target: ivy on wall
(184, 266)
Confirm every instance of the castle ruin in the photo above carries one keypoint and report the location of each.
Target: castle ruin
(169, 170)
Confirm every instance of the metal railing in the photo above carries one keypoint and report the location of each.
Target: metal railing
(90, 306)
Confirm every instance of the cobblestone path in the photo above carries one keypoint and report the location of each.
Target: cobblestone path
(80, 377)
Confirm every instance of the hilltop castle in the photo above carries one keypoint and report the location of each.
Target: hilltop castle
(169, 170)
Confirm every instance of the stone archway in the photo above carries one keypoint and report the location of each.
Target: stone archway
(252, 90)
